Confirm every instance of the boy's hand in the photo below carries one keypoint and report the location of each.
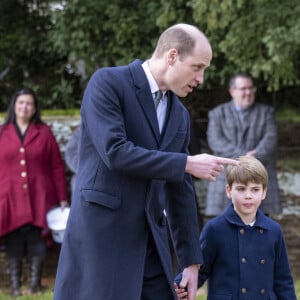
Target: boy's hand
(180, 292)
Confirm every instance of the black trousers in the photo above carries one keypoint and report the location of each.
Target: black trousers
(155, 285)
(26, 240)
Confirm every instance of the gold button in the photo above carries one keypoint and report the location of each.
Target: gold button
(22, 162)
(244, 290)
(25, 186)
(262, 261)
(23, 174)
(22, 149)
(244, 260)
(242, 231)
(262, 291)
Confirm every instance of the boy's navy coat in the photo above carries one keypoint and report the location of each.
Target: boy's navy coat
(123, 186)
(245, 262)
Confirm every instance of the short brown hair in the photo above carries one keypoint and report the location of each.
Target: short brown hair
(178, 38)
(249, 169)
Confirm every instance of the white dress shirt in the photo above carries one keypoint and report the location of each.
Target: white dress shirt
(162, 105)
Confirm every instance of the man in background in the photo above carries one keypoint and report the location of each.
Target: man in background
(243, 127)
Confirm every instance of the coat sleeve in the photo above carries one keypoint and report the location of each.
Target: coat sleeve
(283, 281)
(267, 145)
(72, 151)
(219, 142)
(57, 168)
(182, 216)
(103, 117)
(209, 250)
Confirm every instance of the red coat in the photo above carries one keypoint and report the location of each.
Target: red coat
(32, 177)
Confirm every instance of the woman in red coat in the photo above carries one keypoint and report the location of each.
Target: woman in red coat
(32, 180)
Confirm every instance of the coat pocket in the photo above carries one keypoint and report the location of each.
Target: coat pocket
(101, 198)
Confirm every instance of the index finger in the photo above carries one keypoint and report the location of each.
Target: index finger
(227, 161)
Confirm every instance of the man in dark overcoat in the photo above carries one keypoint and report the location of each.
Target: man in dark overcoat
(134, 172)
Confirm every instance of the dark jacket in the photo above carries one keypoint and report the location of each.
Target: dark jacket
(243, 262)
(128, 174)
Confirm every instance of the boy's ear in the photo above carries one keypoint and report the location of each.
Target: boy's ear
(264, 194)
(228, 191)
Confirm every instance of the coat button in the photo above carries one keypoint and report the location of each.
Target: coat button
(23, 174)
(22, 149)
(262, 261)
(261, 231)
(25, 186)
(244, 290)
(262, 291)
(242, 231)
(22, 162)
(243, 260)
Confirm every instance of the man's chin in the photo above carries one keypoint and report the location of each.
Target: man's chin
(182, 94)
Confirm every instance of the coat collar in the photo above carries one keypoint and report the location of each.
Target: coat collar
(32, 132)
(246, 115)
(145, 98)
(233, 218)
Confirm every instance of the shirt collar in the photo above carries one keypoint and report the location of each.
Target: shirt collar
(232, 217)
(152, 83)
(240, 109)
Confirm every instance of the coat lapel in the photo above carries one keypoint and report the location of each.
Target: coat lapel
(12, 134)
(145, 100)
(31, 134)
(172, 121)
(241, 127)
(144, 96)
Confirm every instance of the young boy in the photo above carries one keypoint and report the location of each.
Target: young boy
(244, 251)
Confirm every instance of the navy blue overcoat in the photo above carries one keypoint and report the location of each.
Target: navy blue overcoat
(128, 175)
(245, 262)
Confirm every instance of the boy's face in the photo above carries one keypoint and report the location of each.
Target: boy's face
(246, 198)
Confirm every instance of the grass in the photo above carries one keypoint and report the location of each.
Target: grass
(54, 112)
(48, 294)
(60, 112)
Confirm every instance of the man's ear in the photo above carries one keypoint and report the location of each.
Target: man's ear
(228, 191)
(231, 92)
(172, 56)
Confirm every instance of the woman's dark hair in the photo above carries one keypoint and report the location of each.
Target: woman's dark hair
(11, 116)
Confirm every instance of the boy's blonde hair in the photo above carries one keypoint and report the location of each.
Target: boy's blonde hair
(249, 169)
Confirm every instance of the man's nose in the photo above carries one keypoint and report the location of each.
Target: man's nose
(200, 78)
